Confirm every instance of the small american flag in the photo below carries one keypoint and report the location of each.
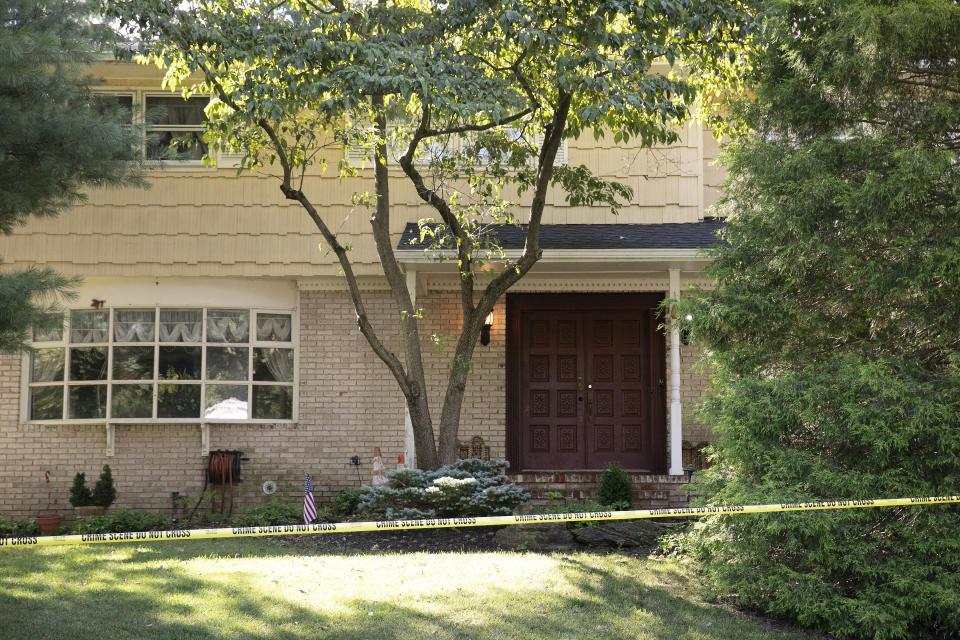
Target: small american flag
(309, 508)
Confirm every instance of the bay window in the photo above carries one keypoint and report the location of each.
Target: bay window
(164, 364)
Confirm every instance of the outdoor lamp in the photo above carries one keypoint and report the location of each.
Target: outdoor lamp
(485, 331)
(685, 332)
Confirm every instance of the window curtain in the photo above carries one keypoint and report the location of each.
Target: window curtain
(280, 364)
(273, 327)
(181, 325)
(228, 326)
(88, 326)
(133, 325)
(47, 365)
(176, 111)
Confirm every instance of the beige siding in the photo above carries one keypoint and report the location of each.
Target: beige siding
(213, 222)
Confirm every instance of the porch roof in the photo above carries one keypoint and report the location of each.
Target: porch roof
(688, 235)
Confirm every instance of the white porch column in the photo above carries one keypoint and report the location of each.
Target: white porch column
(409, 449)
(676, 423)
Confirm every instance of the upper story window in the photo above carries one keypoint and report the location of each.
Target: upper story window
(164, 364)
(172, 126)
(175, 128)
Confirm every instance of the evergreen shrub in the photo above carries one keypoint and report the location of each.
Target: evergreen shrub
(80, 494)
(614, 489)
(833, 332)
(345, 502)
(466, 488)
(103, 492)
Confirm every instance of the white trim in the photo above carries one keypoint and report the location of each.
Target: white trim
(111, 440)
(339, 283)
(204, 438)
(583, 282)
(676, 422)
(419, 256)
(409, 444)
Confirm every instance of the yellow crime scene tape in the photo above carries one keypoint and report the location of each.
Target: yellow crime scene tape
(438, 523)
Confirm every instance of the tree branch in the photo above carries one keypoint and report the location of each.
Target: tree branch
(464, 128)
(430, 196)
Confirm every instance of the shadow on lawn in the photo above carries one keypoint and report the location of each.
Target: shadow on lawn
(133, 593)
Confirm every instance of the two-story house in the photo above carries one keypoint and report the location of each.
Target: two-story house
(209, 319)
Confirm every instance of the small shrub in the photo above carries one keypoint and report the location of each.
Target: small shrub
(466, 488)
(103, 492)
(614, 489)
(273, 513)
(677, 544)
(345, 502)
(80, 494)
(556, 503)
(119, 521)
(18, 528)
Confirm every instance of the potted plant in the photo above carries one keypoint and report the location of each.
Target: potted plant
(81, 497)
(49, 520)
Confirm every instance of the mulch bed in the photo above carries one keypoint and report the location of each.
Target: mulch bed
(471, 539)
(452, 540)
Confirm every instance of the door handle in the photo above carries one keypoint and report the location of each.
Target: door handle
(590, 401)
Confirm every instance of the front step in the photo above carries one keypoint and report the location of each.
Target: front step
(650, 491)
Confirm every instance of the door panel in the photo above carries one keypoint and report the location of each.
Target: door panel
(616, 416)
(548, 400)
(586, 377)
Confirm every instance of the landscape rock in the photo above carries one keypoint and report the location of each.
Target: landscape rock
(621, 533)
(543, 536)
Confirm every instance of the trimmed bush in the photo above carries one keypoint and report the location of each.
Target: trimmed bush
(614, 489)
(345, 502)
(80, 494)
(103, 492)
(466, 488)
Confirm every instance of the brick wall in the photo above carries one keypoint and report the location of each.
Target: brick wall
(484, 405)
(348, 403)
(693, 386)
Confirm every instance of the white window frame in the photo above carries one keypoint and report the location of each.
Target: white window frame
(139, 110)
(251, 344)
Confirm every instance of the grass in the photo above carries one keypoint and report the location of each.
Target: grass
(255, 588)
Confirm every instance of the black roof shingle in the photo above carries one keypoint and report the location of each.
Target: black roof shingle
(686, 235)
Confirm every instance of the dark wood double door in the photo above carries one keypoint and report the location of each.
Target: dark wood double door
(586, 382)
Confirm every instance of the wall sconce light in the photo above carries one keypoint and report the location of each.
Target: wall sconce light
(485, 331)
(685, 332)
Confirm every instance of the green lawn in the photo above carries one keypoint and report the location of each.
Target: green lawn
(255, 588)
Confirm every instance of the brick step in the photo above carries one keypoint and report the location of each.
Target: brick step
(650, 491)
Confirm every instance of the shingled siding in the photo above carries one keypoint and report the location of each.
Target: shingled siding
(212, 222)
